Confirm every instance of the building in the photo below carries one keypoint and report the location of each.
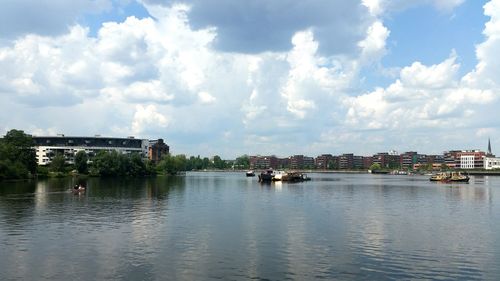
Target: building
(357, 162)
(451, 159)
(488, 153)
(283, 163)
(470, 159)
(323, 161)
(157, 149)
(346, 161)
(387, 160)
(491, 163)
(263, 162)
(47, 147)
(297, 161)
(367, 162)
(408, 159)
(308, 162)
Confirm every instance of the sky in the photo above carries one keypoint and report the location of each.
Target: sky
(257, 77)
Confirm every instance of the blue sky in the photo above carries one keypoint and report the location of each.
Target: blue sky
(255, 77)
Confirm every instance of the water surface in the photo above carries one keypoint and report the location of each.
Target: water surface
(227, 226)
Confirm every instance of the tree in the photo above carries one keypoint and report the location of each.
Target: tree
(444, 167)
(116, 164)
(242, 162)
(81, 160)
(17, 155)
(58, 163)
(19, 147)
(375, 167)
(219, 163)
(333, 165)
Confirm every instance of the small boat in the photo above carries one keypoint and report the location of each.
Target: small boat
(266, 176)
(280, 176)
(78, 190)
(458, 177)
(440, 177)
(450, 177)
(250, 174)
(296, 177)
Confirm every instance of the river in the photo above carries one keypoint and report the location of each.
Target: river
(225, 226)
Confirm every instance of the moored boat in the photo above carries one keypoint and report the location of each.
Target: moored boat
(266, 176)
(78, 189)
(458, 177)
(450, 177)
(440, 177)
(280, 176)
(250, 174)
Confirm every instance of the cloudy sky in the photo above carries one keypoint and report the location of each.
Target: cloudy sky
(262, 77)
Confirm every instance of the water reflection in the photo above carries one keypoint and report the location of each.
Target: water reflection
(226, 226)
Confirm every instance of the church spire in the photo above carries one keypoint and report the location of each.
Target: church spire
(489, 147)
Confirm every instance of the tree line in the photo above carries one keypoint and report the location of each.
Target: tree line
(18, 161)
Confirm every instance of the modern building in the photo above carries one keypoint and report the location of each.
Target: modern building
(346, 161)
(470, 159)
(157, 149)
(263, 162)
(491, 163)
(387, 160)
(297, 161)
(357, 162)
(451, 158)
(323, 161)
(47, 147)
(408, 159)
(367, 162)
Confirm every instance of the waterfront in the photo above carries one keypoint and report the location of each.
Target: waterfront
(227, 226)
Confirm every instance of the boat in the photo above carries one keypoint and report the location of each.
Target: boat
(266, 176)
(458, 177)
(440, 177)
(450, 177)
(79, 189)
(296, 177)
(280, 176)
(250, 174)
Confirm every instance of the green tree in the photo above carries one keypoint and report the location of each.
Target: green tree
(205, 163)
(173, 164)
(242, 162)
(18, 154)
(444, 167)
(219, 163)
(58, 163)
(19, 147)
(81, 160)
(116, 164)
(333, 165)
(375, 167)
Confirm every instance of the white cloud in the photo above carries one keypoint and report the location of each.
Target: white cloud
(144, 75)
(373, 46)
(147, 91)
(374, 6)
(486, 72)
(423, 97)
(206, 98)
(433, 77)
(146, 118)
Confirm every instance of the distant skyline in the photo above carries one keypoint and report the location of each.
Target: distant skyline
(254, 77)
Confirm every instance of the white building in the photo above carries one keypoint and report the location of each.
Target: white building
(491, 163)
(466, 161)
(48, 147)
